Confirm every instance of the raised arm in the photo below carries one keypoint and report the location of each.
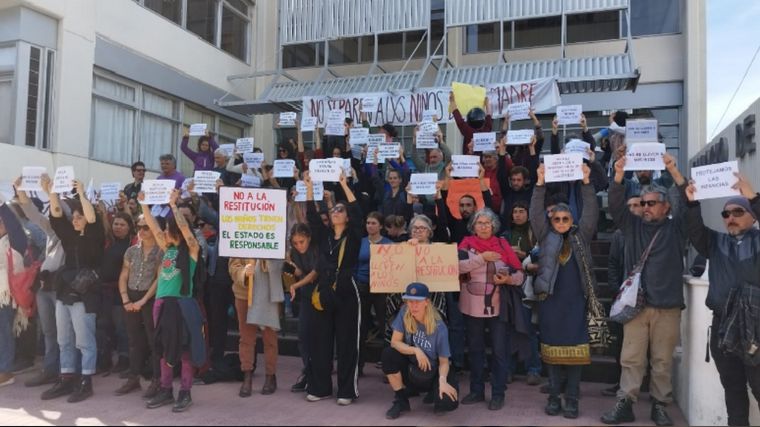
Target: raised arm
(619, 211)
(87, 209)
(538, 221)
(184, 228)
(184, 145)
(590, 216)
(158, 234)
(232, 167)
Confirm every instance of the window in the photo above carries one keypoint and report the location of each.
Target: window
(201, 17)
(301, 55)
(7, 71)
(158, 127)
(344, 51)
(169, 9)
(538, 32)
(588, 27)
(234, 32)
(390, 46)
(651, 17)
(485, 37)
(33, 91)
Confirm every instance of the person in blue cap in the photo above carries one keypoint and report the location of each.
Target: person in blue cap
(418, 357)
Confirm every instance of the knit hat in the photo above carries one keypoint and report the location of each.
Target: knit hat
(743, 202)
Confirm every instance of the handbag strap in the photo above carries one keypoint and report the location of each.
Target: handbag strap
(645, 255)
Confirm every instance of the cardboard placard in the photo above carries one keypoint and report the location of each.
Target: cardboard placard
(109, 191)
(468, 97)
(252, 223)
(325, 170)
(308, 124)
(284, 168)
(288, 119)
(205, 181)
(423, 183)
(518, 111)
(569, 114)
(563, 167)
(393, 267)
(319, 191)
(358, 136)
(642, 130)
(63, 181)
(645, 156)
(244, 145)
(465, 166)
(464, 187)
(715, 181)
(253, 160)
(31, 177)
(157, 191)
(198, 129)
(336, 120)
(484, 141)
(520, 137)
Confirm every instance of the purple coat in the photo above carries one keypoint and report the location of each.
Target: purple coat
(202, 161)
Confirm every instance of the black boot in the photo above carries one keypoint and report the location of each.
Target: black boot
(571, 408)
(165, 396)
(659, 414)
(64, 386)
(621, 413)
(184, 401)
(82, 391)
(400, 404)
(553, 406)
(300, 384)
(245, 388)
(153, 389)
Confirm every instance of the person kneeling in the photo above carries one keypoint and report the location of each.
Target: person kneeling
(419, 354)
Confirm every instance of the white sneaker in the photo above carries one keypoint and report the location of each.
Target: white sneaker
(345, 402)
(312, 398)
(7, 379)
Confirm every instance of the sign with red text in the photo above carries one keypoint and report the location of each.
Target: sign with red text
(393, 267)
(252, 222)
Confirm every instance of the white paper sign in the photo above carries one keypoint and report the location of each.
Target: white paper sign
(253, 222)
(484, 141)
(347, 169)
(389, 151)
(308, 124)
(244, 145)
(109, 191)
(714, 181)
(518, 111)
(229, 149)
(359, 136)
(325, 170)
(577, 146)
(425, 141)
(30, 178)
(641, 131)
(369, 104)
(429, 128)
(205, 181)
(288, 119)
(465, 166)
(157, 191)
(569, 114)
(430, 116)
(423, 183)
(335, 123)
(284, 168)
(563, 167)
(253, 160)
(357, 151)
(373, 145)
(198, 129)
(250, 180)
(519, 137)
(63, 181)
(6, 192)
(645, 156)
(319, 191)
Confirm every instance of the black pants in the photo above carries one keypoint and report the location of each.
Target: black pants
(338, 323)
(140, 330)
(369, 301)
(305, 316)
(734, 375)
(219, 300)
(395, 362)
(571, 374)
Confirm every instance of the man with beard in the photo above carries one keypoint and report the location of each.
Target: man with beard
(734, 266)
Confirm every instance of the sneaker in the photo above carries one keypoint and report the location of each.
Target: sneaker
(496, 403)
(165, 396)
(184, 401)
(42, 378)
(7, 378)
(659, 414)
(343, 401)
(621, 413)
(533, 379)
(300, 385)
(398, 407)
(553, 406)
(473, 398)
(312, 398)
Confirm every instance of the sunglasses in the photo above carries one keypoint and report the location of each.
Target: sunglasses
(736, 213)
(650, 203)
(338, 209)
(143, 228)
(561, 219)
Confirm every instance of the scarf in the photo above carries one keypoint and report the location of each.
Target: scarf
(495, 244)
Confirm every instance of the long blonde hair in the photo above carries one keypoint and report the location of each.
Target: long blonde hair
(430, 320)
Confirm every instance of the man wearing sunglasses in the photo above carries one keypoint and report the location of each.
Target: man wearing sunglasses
(657, 327)
(734, 262)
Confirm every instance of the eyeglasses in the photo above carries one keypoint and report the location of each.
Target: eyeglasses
(736, 213)
(561, 219)
(483, 224)
(338, 209)
(650, 203)
(420, 228)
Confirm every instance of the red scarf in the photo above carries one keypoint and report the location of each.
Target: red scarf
(494, 244)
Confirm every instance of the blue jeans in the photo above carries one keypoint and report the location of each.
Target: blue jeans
(476, 331)
(46, 315)
(456, 330)
(7, 339)
(76, 330)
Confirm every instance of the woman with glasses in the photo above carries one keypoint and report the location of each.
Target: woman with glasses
(137, 287)
(564, 283)
(489, 266)
(336, 320)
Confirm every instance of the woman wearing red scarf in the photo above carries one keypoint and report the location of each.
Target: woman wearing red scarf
(487, 262)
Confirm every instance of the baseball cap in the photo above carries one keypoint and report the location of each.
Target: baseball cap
(416, 292)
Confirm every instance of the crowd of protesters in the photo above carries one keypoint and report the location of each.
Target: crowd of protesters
(139, 292)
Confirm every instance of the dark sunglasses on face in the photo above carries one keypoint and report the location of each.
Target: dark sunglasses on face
(561, 219)
(338, 209)
(650, 203)
(736, 213)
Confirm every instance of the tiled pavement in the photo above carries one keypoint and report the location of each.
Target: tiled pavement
(218, 404)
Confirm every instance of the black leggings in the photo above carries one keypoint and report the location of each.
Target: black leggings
(395, 362)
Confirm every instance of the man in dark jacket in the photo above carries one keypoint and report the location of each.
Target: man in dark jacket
(734, 262)
(657, 327)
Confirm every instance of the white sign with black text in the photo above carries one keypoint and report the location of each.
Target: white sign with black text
(569, 114)
(465, 166)
(423, 183)
(563, 167)
(645, 156)
(157, 191)
(715, 181)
